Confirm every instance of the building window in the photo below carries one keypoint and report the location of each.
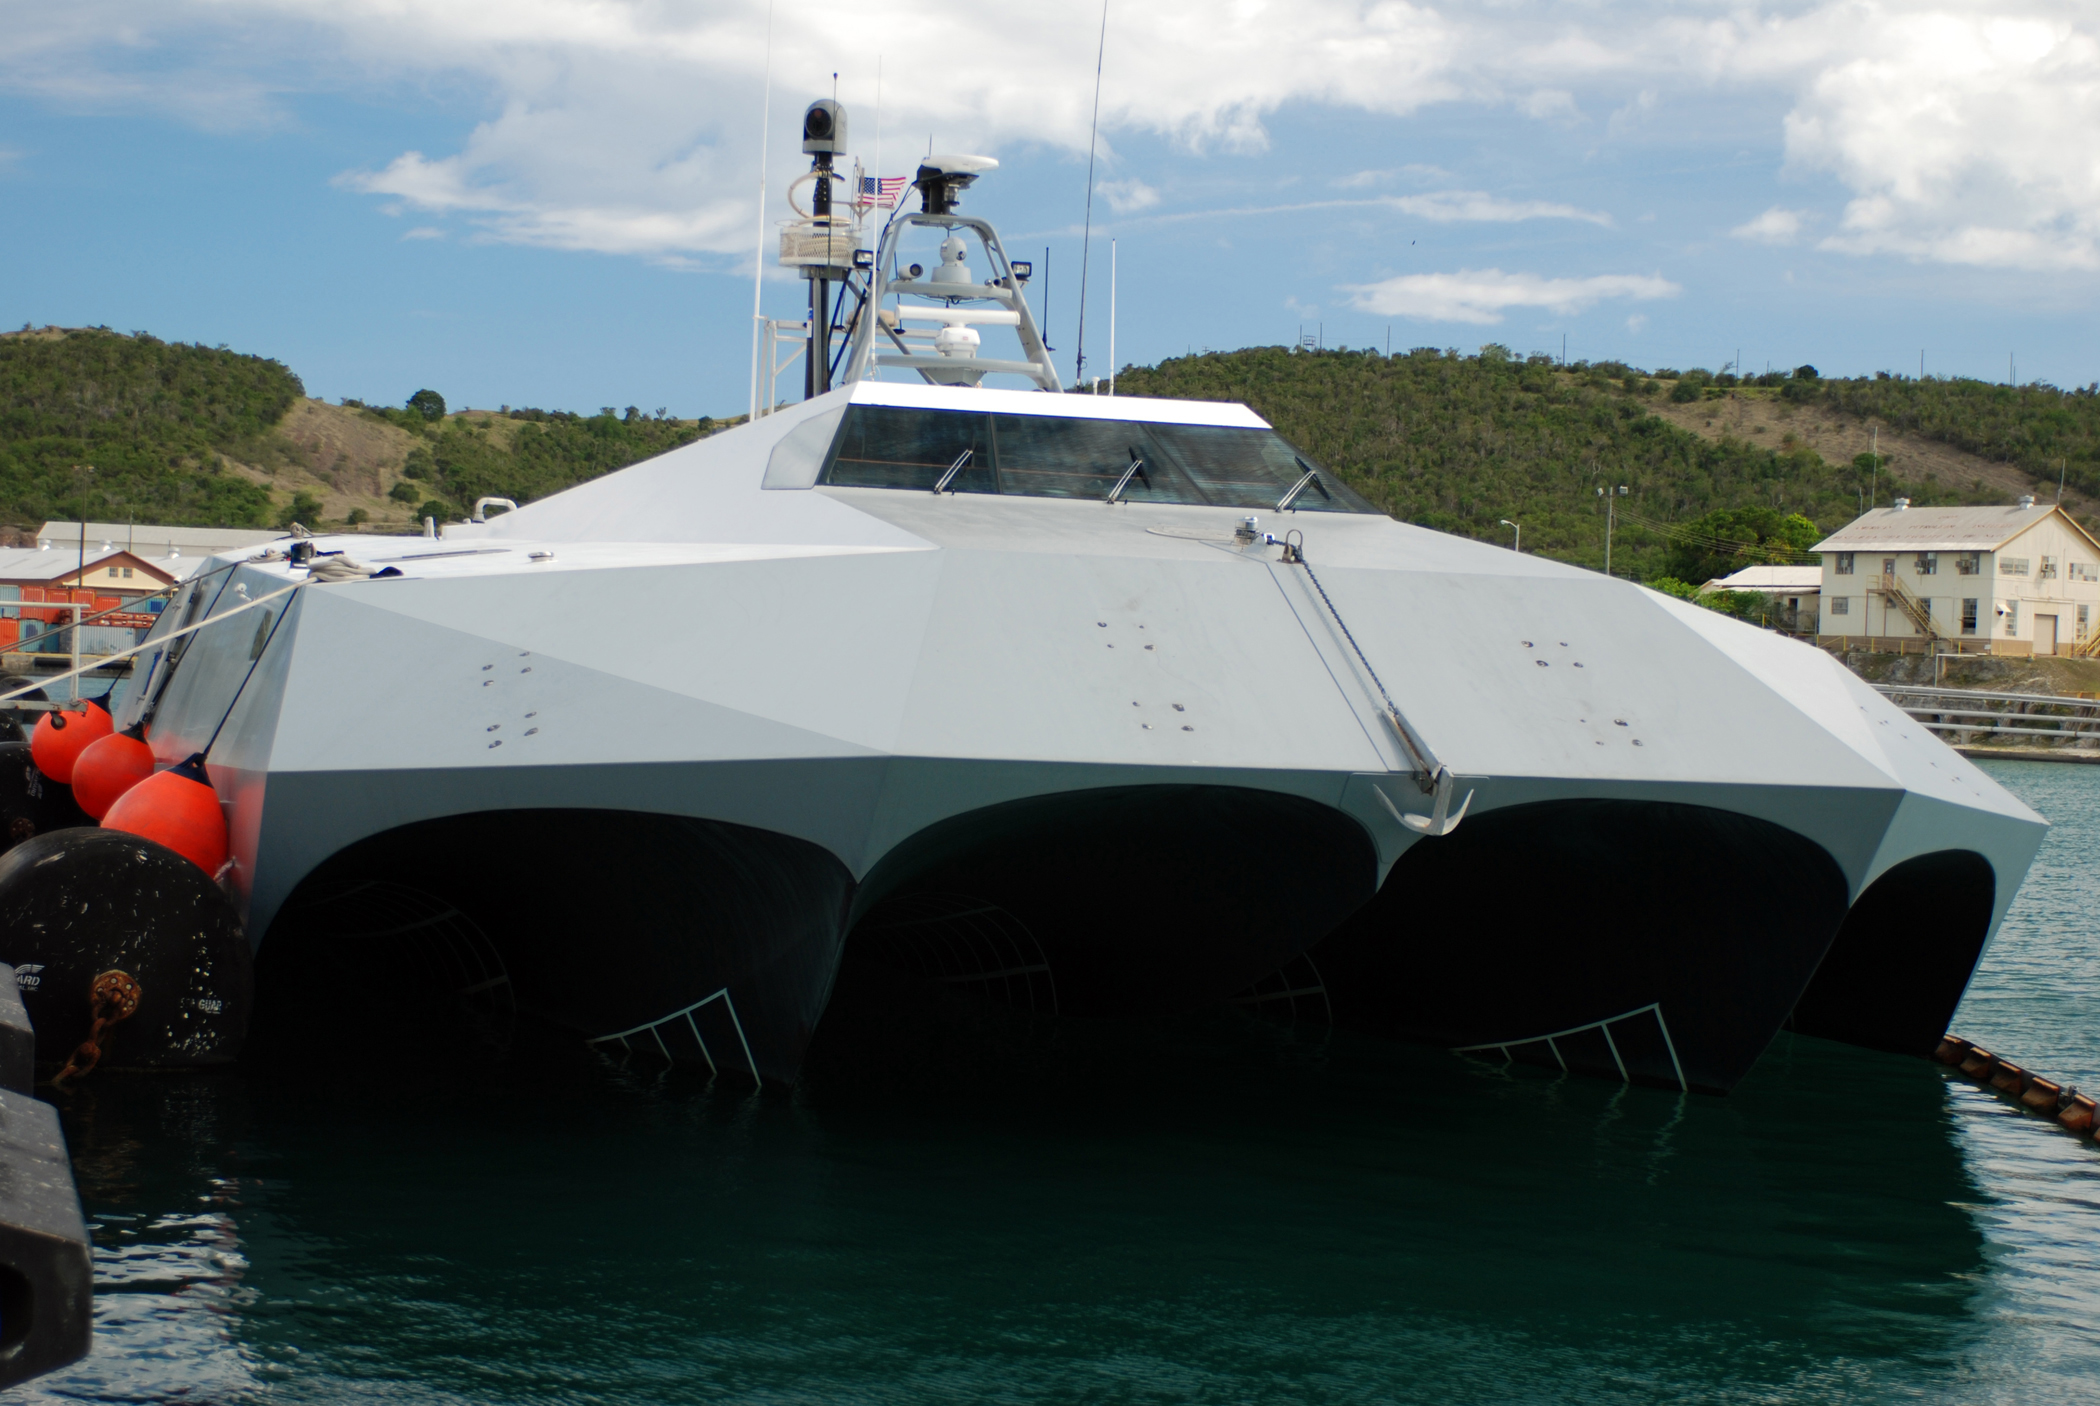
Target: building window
(112, 571)
(127, 573)
(1968, 615)
(2048, 571)
(1841, 605)
(2012, 566)
(1844, 563)
(1928, 563)
(1968, 563)
(1888, 566)
(2081, 571)
(2084, 620)
(2012, 617)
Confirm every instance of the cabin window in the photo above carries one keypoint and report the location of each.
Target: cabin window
(1841, 605)
(2012, 566)
(1049, 456)
(1844, 563)
(883, 446)
(1968, 615)
(1968, 563)
(1928, 563)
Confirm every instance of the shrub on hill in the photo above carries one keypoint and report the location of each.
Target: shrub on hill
(1458, 443)
(96, 424)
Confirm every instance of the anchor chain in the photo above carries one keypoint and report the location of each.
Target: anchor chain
(114, 996)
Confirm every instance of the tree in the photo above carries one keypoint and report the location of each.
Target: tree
(1728, 539)
(428, 403)
(437, 508)
(404, 492)
(304, 509)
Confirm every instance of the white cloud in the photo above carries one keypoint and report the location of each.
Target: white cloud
(1452, 205)
(1774, 226)
(1637, 322)
(1483, 295)
(1551, 105)
(1963, 131)
(1128, 197)
(424, 232)
(1969, 134)
(1442, 207)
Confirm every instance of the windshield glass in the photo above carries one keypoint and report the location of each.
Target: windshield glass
(1043, 456)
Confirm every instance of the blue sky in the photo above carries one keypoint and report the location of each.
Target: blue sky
(548, 203)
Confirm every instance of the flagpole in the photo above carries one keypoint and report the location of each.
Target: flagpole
(758, 258)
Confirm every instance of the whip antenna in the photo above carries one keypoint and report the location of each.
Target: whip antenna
(1086, 240)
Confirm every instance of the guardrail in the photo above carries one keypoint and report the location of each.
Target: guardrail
(2035, 717)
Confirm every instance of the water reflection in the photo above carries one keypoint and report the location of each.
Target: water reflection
(1235, 1212)
(968, 1205)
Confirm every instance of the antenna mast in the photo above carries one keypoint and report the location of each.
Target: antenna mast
(758, 255)
(1087, 239)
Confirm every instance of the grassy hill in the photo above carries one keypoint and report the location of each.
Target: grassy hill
(105, 426)
(1720, 471)
(1459, 443)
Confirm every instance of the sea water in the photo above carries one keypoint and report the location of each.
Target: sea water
(1205, 1209)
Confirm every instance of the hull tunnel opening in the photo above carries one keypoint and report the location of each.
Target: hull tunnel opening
(1653, 942)
(1904, 956)
(1113, 902)
(695, 940)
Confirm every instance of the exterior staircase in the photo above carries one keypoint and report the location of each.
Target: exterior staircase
(1913, 609)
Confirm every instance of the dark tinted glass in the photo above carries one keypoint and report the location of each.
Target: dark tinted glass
(882, 446)
(1252, 469)
(1044, 456)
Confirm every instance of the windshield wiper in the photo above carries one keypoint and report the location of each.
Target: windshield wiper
(954, 469)
(1312, 476)
(1137, 467)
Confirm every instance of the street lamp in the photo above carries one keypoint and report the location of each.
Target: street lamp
(1518, 545)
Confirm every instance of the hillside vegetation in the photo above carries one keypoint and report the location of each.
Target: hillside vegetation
(1720, 472)
(96, 424)
(1460, 443)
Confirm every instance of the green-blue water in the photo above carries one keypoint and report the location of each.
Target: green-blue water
(1207, 1210)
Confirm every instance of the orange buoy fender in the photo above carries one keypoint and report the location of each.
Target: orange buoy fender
(179, 809)
(60, 738)
(108, 767)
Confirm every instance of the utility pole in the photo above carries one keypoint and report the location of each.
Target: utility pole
(1611, 516)
(1518, 545)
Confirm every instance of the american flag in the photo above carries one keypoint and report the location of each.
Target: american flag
(880, 191)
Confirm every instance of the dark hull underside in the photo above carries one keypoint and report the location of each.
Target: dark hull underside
(1659, 943)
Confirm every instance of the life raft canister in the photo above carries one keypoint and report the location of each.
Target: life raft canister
(179, 809)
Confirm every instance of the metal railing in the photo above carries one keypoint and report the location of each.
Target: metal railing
(1954, 713)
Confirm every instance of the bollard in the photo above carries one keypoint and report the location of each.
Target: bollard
(47, 1279)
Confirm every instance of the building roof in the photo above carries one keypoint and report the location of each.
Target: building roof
(149, 540)
(1770, 578)
(1941, 529)
(34, 564)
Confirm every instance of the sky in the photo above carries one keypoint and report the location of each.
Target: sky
(556, 203)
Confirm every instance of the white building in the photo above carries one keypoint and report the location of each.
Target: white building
(1795, 592)
(2017, 580)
